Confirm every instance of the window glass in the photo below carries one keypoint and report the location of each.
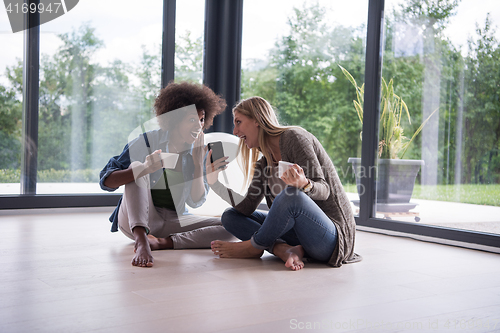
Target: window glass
(99, 74)
(189, 35)
(293, 54)
(442, 59)
(11, 89)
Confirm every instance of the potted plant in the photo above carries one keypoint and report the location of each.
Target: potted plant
(396, 176)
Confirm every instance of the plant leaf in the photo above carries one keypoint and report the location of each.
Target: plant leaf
(418, 131)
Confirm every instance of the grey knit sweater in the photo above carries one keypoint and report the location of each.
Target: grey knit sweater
(301, 147)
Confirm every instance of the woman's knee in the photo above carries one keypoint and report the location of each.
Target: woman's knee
(229, 217)
(291, 196)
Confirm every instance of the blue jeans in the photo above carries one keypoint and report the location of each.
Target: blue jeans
(293, 218)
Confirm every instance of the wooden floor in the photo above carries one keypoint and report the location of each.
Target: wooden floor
(67, 273)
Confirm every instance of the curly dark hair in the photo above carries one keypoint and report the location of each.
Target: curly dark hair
(177, 95)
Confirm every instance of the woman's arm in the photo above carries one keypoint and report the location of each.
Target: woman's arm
(300, 149)
(119, 177)
(136, 170)
(244, 204)
(198, 184)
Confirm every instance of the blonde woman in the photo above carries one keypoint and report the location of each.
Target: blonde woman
(309, 212)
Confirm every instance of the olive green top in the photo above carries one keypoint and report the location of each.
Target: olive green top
(161, 193)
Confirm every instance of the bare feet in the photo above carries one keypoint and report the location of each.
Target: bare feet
(160, 243)
(143, 257)
(291, 255)
(142, 249)
(235, 249)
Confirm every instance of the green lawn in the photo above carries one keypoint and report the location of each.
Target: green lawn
(467, 193)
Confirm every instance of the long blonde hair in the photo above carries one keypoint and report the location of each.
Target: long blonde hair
(257, 108)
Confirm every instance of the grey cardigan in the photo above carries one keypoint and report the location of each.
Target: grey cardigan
(301, 147)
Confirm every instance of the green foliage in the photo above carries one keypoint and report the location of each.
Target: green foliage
(87, 109)
(432, 12)
(10, 112)
(468, 134)
(482, 108)
(300, 80)
(10, 175)
(259, 82)
(188, 58)
(68, 176)
(14, 74)
(149, 73)
(53, 176)
(393, 144)
(10, 129)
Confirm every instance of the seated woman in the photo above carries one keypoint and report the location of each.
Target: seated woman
(152, 209)
(309, 212)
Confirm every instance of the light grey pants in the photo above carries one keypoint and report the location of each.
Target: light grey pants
(187, 232)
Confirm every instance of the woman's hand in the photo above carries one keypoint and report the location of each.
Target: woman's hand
(295, 177)
(198, 185)
(152, 163)
(199, 150)
(213, 169)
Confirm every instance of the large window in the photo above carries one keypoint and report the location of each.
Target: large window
(99, 73)
(315, 61)
(441, 68)
(293, 54)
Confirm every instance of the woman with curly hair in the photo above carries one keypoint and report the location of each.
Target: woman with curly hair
(152, 210)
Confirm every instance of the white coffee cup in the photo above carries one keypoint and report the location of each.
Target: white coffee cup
(169, 160)
(283, 166)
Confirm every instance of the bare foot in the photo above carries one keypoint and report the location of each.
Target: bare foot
(235, 249)
(291, 255)
(160, 243)
(143, 257)
(142, 249)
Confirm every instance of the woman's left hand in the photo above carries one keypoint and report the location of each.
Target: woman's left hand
(295, 177)
(199, 150)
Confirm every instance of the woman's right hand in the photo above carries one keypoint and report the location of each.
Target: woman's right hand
(152, 163)
(213, 169)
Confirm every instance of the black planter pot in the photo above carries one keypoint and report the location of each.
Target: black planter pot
(395, 181)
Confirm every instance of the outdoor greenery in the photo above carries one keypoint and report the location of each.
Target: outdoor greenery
(304, 81)
(53, 176)
(393, 143)
(466, 193)
(87, 109)
(478, 194)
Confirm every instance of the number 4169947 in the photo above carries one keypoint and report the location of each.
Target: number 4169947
(33, 8)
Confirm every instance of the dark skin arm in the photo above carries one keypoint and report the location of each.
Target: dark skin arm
(119, 177)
